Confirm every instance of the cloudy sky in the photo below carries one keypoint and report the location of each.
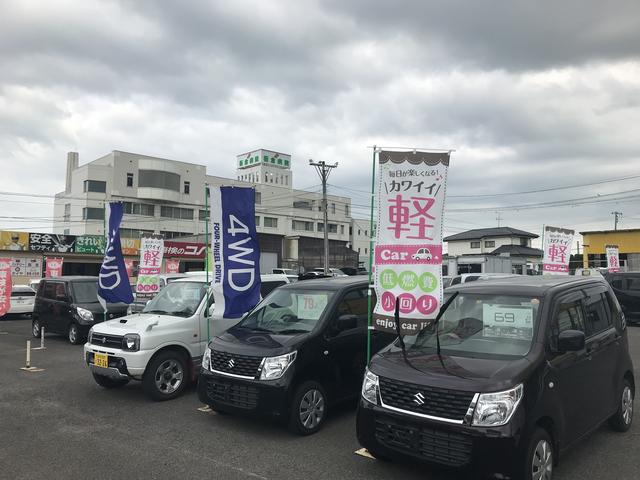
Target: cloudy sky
(530, 95)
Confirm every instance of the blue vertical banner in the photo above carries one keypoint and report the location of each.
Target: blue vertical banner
(113, 281)
(235, 251)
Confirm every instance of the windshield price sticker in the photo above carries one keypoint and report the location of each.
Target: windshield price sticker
(509, 321)
(311, 306)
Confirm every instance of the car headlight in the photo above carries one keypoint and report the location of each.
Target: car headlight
(370, 387)
(206, 359)
(85, 314)
(274, 367)
(496, 409)
(131, 342)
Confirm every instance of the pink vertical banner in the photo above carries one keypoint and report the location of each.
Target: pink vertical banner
(408, 251)
(613, 258)
(53, 267)
(5, 285)
(557, 250)
(172, 265)
(128, 264)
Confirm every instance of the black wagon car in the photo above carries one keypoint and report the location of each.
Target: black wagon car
(626, 286)
(515, 372)
(301, 350)
(69, 306)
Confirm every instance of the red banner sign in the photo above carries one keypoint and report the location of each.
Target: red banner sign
(5, 285)
(128, 263)
(54, 267)
(184, 249)
(172, 265)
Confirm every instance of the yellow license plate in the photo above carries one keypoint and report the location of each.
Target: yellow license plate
(101, 360)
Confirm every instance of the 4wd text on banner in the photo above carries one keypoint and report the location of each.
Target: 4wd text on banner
(235, 251)
(557, 250)
(5, 285)
(408, 252)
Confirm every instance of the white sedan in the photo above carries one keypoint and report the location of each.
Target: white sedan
(22, 300)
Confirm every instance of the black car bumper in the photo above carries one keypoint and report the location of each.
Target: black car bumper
(236, 395)
(399, 436)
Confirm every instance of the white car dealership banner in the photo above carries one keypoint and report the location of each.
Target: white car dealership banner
(151, 253)
(557, 250)
(408, 252)
(613, 258)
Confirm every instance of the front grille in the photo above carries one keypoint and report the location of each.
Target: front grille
(102, 340)
(233, 394)
(242, 365)
(436, 402)
(432, 445)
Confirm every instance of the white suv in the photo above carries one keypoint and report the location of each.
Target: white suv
(163, 345)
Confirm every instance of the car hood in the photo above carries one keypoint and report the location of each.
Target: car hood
(97, 310)
(248, 342)
(452, 372)
(136, 323)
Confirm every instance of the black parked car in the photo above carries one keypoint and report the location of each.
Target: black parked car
(301, 350)
(626, 286)
(526, 367)
(69, 305)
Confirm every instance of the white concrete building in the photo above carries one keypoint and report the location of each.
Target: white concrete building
(360, 231)
(168, 197)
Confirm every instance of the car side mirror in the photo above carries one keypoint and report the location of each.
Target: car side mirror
(346, 322)
(571, 341)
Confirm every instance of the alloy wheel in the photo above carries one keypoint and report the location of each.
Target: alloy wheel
(169, 376)
(542, 462)
(627, 405)
(312, 409)
(73, 334)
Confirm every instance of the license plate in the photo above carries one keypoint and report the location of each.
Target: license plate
(101, 360)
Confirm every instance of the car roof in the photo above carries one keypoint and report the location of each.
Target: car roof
(270, 277)
(635, 274)
(72, 278)
(24, 288)
(329, 283)
(537, 285)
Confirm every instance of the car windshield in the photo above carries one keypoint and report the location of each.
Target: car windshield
(478, 325)
(177, 298)
(85, 292)
(288, 311)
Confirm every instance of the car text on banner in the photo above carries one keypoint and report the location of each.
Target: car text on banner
(235, 251)
(557, 250)
(408, 252)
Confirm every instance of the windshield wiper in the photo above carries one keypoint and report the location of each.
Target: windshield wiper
(255, 329)
(184, 311)
(157, 311)
(291, 331)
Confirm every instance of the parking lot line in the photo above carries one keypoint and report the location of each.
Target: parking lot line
(207, 409)
(363, 452)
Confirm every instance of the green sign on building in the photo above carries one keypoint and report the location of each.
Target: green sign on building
(90, 244)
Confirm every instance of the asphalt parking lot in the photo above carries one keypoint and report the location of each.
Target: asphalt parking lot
(57, 423)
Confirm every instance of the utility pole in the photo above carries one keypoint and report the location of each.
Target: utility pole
(324, 170)
(617, 216)
(498, 217)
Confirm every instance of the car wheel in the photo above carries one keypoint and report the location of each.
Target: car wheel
(74, 334)
(166, 376)
(35, 328)
(108, 382)
(539, 459)
(308, 409)
(622, 419)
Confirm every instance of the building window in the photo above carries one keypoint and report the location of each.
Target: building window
(270, 222)
(133, 232)
(187, 188)
(302, 225)
(333, 208)
(258, 198)
(341, 229)
(286, 163)
(67, 231)
(524, 242)
(358, 249)
(90, 213)
(266, 178)
(365, 250)
(350, 230)
(333, 228)
(346, 210)
(129, 179)
(366, 233)
(475, 244)
(146, 209)
(67, 212)
(266, 158)
(489, 244)
(159, 179)
(286, 179)
(257, 221)
(359, 232)
(203, 215)
(176, 212)
(303, 205)
(167, 234)
(95, 186)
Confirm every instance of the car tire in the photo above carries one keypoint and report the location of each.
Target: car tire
(73, 334)
(107, 382)
(623, 418)
(308, 408)
(166, 376)
(36, 328)
(539, 456)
